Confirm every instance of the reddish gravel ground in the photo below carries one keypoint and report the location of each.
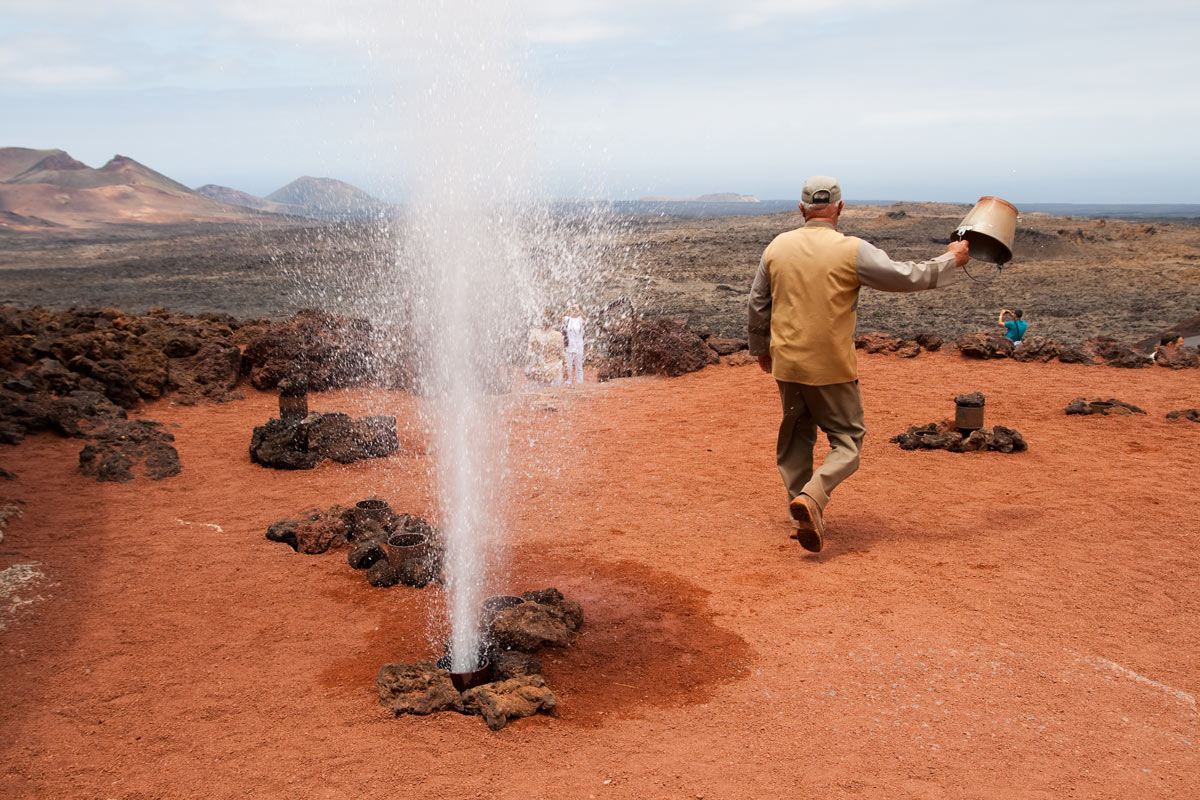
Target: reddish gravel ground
(979, 626)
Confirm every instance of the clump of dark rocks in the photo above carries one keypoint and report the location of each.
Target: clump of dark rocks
(116, 449)
(1095, 405)
(888, 344)
(305, 443)
(1177, 357)
(517, 689)
(1037, 348)
(628, 344)
(971, 400)
(944, 436)
(985, 345)
(364, 533)
(1189, 414)
(1109, 351)
(667, 347)
(545, 619)
(1098, 350)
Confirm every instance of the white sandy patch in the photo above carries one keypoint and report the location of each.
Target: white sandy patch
(1104, 664)
(18, 585)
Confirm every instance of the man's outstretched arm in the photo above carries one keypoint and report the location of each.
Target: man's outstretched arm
(877, 270)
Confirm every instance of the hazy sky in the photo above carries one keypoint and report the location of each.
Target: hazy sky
(917, 100)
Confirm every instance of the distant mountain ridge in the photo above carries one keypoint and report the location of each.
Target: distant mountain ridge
(42, 189)
(235, 197)
(51, 189)
(325, 196)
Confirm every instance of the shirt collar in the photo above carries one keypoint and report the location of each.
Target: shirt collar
(820, 223)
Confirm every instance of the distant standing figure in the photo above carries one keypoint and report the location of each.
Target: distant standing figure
(574, 327)
(544, 361)
(1014, 326)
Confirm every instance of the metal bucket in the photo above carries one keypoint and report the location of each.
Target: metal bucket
(293, 408)
(989, 229)
(968, 418)
(402, 548)
(468, 680)
(372, 511)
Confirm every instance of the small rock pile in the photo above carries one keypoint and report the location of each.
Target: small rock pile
(1190, 414)
(630, 345)
(1096, 405)
(544, 619)
(114, 451)
(305, 443)
(894, 345)
(364, 534)
(943, 436)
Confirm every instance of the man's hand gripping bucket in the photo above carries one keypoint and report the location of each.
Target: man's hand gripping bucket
(989, 229)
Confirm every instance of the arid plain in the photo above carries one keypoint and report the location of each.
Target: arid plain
(980, 625)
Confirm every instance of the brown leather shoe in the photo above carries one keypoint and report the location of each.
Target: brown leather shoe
(810, 524)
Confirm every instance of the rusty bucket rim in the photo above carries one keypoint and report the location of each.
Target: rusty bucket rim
(468, 680)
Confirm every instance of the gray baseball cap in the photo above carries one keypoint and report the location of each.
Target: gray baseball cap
(821, 189)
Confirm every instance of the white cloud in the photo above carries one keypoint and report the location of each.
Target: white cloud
(48, 61)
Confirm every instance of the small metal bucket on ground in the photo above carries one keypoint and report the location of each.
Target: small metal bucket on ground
(403, 548)
(968, 418)
(372, 511)
(989, 229)
(468, 680)
(293, 400)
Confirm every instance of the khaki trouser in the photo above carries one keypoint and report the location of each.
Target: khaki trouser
(837, 410)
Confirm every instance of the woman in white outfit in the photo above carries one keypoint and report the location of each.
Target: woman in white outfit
(574, 328)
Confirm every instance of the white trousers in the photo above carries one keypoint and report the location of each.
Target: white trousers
(575, 366)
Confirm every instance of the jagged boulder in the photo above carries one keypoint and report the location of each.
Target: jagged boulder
(545, 619)
(723, 346)
(929, 340)
(116, 449)
(381, 574)
(1115, 354)
(211, 372)
(1189, 414)
(312, 532)
(1177, 357)
(667, 347)
(117, 381)
(500, 702)
(282, 445)
(1086, 406)
(419, 688)
(511, 664)
(1076, 355)
(984, 345)
(878, 342)
(1037, 348)
(344, 439)
(326, 350)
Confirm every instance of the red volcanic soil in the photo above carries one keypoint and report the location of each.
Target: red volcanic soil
(979, 626)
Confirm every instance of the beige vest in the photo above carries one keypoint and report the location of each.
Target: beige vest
(814, 301)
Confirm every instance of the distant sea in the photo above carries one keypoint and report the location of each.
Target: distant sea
(691, 208)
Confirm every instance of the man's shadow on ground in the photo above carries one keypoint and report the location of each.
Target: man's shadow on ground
(856, 532)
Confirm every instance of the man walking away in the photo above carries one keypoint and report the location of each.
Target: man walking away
(803, 309)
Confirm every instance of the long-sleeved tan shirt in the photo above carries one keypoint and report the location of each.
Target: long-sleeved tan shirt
(804, 299)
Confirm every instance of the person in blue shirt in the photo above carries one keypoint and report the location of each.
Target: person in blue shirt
(1014, 326)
